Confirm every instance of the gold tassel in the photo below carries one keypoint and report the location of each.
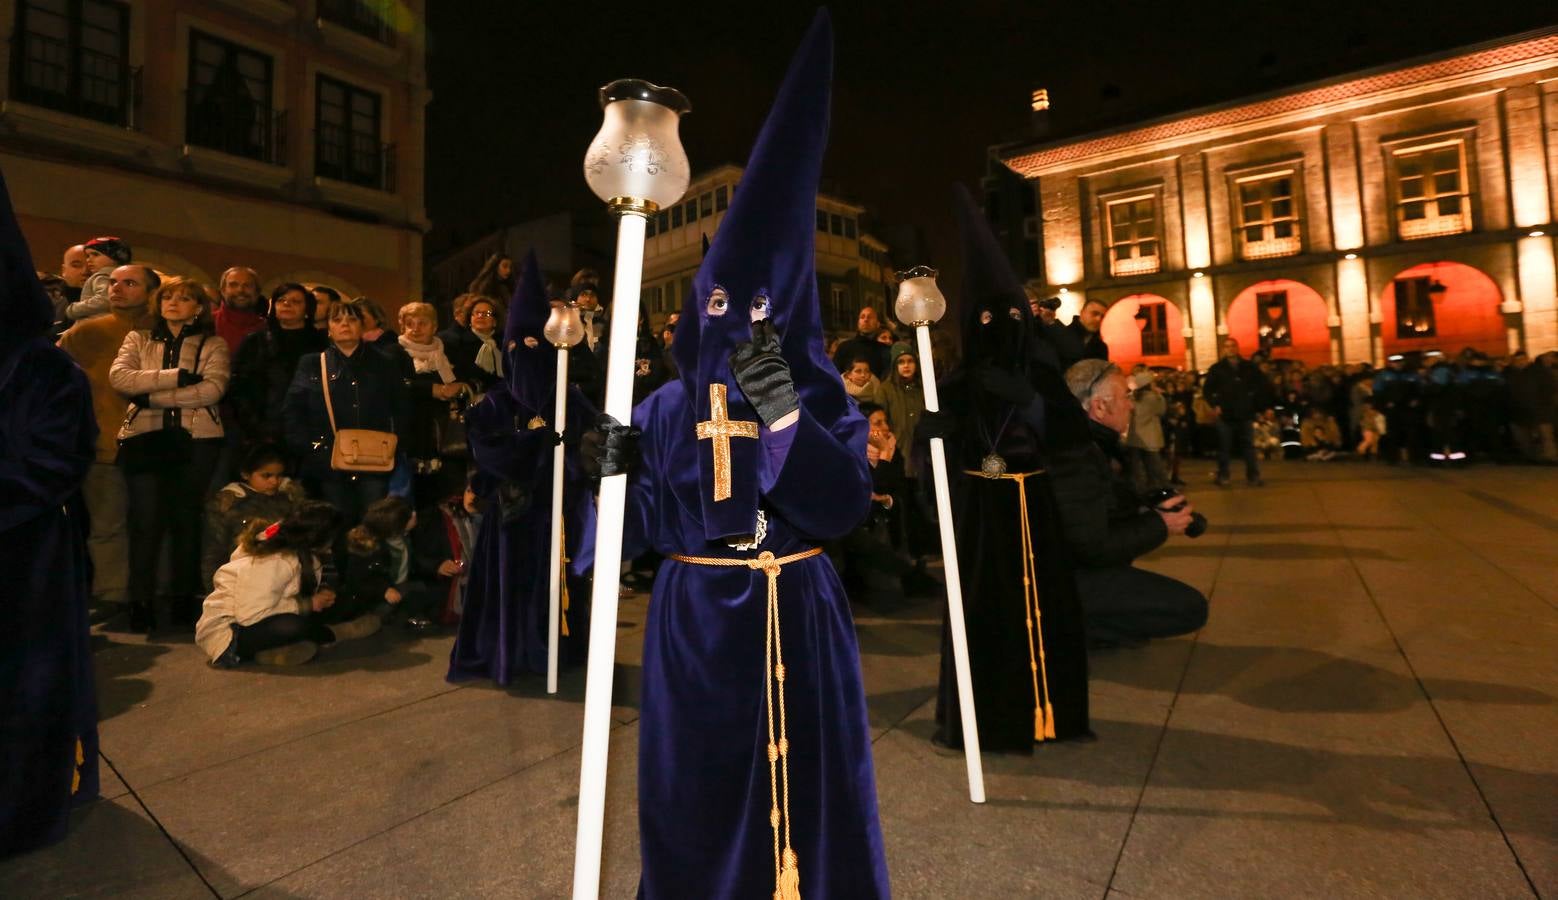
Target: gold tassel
(790, 878)
(562, 581)
(1049, 723)
(75, 777)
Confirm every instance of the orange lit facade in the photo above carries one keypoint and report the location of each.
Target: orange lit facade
(1405, 208)
(285, 135)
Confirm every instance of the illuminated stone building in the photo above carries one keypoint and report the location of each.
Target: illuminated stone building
(1408, 207)
(853, 269)
(286, 135)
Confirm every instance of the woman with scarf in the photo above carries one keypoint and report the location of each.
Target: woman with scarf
(1001, 413)
(512, 433)
(471, 343)
(435, 402)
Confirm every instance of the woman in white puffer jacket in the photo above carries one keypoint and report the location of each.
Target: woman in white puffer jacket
(266, 602)
(174, 373)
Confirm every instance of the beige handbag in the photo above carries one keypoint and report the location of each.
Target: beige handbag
(356, 449)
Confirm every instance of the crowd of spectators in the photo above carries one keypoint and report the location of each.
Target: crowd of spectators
(216, 503)
(218, 408)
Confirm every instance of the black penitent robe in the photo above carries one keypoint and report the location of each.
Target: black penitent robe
(987, 516)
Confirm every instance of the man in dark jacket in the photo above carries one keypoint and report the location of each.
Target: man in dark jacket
(1237, 392)
(1106, 525)
(864, 346)
(1086, 341)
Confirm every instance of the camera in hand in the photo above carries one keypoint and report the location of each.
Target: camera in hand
(1157, 498)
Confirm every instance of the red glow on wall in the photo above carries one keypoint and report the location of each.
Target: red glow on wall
(1121, 331)
(1466, 313)
(1310, 339)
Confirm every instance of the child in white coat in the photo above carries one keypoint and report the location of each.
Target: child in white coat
(265, 602)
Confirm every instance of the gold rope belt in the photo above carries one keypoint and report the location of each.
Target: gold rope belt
(1043, 714)
(787, 879)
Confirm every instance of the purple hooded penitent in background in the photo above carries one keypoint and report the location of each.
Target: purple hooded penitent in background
(503, 631)
(703, 774)
(48, 435)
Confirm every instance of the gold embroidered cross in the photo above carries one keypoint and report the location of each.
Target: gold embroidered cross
(720, 429)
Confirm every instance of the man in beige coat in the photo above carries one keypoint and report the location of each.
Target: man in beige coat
(93, 343)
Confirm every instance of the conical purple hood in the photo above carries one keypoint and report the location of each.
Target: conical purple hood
(25, 311)
(765, 248)
(531, 371)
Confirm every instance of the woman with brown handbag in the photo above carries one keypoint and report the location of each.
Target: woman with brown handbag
(347, 436)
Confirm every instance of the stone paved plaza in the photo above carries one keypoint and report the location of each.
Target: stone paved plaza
(1371, 711)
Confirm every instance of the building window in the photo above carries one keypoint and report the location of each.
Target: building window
(691, 209)
(1133, 236)
(228, 105)
(649, 227)
(1152, 318)
(370, 18)
(706, 204)
(841, 309)
(676, 216)
(849, 228)
(1275, 329)
(1268, 215)
(346, 136)
(73, 56)
(663, 222)
(721, 199)
(1431, 190)
(822, 221)
(1415, 308)
(836, 223)
(670, 295)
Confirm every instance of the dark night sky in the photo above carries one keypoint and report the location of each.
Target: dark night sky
(920, 90)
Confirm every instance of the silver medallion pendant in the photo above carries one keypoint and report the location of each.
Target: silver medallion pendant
(992, 466)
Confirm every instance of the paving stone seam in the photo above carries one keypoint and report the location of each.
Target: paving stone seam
(1427, 695)
(1168, 715)
(177, 847)
(572, 748)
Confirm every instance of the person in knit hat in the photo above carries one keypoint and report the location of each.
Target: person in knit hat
(104, 254)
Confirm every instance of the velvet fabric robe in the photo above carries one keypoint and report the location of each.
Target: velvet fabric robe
(48, 704)
(703, 779)
(503, 630)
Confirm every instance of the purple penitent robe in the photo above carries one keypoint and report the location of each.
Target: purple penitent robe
(703, 775)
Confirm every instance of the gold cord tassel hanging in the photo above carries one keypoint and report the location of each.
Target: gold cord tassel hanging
(787, 874)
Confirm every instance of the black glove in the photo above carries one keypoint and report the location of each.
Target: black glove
(941, 424)
(188, 378)
(1011, 386)
(764, 376)
(140, 401)
(610, 448)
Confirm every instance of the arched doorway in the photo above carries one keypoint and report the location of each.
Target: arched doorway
(1442, 306)
(1144, 328)
(1285, 318)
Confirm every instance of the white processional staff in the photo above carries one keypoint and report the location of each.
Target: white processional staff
(563, 330)
(637, 165)
(920, 303)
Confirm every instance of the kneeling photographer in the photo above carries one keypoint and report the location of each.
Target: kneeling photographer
(1107, 524)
